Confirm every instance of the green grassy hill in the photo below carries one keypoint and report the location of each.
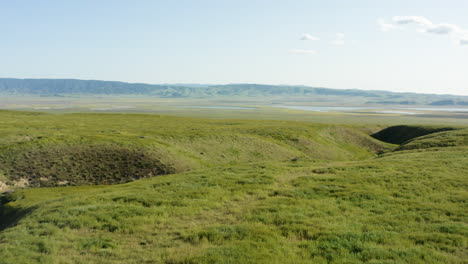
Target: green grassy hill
(77, 149)
(242, 192)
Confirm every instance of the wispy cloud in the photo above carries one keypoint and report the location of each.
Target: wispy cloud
(384, 26)
(403, 20)
(443, 29)
(307, 36)
(457, 33)
(339, 39)
(302, 51)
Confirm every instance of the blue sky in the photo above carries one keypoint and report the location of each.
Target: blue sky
(397, 45)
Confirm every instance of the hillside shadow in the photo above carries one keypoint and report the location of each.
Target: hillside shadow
(10, 215)
(403, 133)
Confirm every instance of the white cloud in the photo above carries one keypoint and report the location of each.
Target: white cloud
(302, 51)
(339, 39)
(402, 20)
(384, 26)
(457, 33)
(442, 29)
(307, 36)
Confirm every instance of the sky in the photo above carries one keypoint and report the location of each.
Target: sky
(395, 45)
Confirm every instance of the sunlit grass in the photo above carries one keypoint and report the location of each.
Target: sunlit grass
(287, 192)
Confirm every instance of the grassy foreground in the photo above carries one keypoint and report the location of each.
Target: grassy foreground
(76, 149)
(284, 192)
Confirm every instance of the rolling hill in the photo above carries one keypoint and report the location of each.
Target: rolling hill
(228, 191)
(63, 87)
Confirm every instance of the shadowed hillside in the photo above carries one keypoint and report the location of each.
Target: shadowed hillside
(401, 134)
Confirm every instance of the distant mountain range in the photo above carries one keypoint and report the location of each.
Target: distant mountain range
(62, 87)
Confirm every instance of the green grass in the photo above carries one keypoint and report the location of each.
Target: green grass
(285, 192)
(75, 149)
(443, 139)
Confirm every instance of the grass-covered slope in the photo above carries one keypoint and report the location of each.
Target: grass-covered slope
(441, 139)
(77, 149)
(81, 164)
(405, 207)
(292, 193)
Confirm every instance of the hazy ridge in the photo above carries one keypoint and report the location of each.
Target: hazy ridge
(62, 87)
